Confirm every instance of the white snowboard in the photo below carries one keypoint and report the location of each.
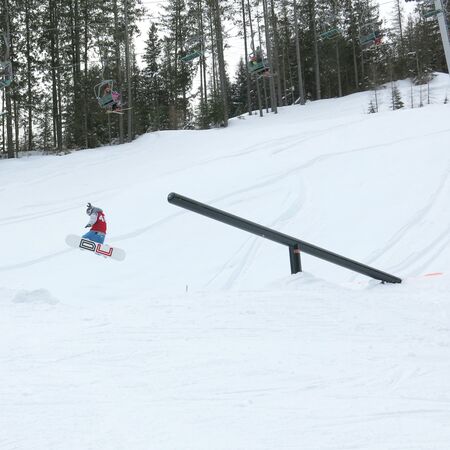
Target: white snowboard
(72, 240)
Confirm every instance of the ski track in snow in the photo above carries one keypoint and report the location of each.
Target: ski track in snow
(433, 247)
(295, 208)
(243, 256)
(54, 210)
(32, 262)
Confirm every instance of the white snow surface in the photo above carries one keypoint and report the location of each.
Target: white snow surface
(201, 339)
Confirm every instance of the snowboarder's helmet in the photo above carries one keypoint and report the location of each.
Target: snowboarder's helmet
(89, 209)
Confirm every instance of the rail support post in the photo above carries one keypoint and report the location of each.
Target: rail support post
(294, 256)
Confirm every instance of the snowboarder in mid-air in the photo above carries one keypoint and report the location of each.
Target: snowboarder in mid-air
(93, 240)
(97, 224)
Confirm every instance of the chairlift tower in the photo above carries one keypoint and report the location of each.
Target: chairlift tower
(443, 28)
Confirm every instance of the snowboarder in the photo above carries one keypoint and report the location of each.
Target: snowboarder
(97, 223)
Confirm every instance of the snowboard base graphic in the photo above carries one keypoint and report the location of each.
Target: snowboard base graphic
(72, 240)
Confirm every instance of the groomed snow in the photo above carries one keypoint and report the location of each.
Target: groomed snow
(201, 339)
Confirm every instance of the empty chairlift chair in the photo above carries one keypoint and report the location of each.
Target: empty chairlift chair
(194, 47)
(5, 74)
(429, 10)
(329, 34)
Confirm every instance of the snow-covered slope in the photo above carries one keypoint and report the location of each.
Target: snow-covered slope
(201, 339)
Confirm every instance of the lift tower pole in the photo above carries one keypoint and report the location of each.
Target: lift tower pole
(443, 27)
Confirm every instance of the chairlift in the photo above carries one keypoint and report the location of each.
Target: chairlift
(370, 35)
(103, 93)
(191, 55)
(429, 10)
(329, 27)
(6, 75)
(329, 34)
(257, 63)
(193, 45)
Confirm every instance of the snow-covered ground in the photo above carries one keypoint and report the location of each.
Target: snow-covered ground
(201, 339)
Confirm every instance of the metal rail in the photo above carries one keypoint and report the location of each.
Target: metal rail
(296, 246)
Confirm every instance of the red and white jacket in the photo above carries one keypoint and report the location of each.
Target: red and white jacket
(97, 221)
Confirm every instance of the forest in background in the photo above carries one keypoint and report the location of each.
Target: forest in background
(292, 51)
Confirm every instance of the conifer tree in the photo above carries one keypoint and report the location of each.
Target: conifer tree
(238, 90)
(149, 95)
(396, 98)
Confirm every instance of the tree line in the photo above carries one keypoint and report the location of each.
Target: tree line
(292, 51)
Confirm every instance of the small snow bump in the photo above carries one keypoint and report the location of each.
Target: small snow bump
(38, 296)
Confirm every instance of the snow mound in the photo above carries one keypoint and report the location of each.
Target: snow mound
(38, 296)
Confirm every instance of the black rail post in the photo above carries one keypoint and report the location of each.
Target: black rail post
(294, 256)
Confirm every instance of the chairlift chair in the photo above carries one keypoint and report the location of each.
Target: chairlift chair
(257, 63)
(370, 35)
(329, 34)
(429, 10)
(5, 74)
(191, 55)
(193, 45)
(256, 67)
(105, 99)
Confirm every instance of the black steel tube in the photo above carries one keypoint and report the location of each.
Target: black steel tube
(294, 257)
(268, 233)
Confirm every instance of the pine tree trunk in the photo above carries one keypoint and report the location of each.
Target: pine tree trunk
(338, 69)
(273, 98)
(79, 99)
(266, 99)
(400, 25)
(16, 126)
(350, 14)
(7, 91)
(258, 90)
(3, 151)
(57, 135)
(29, 68)
(221, 59)
(301, 89)
(174, 80)
(355, 65)
(86, 120)
(244, 24)
(204, 88)
(117, 57)
(59, 97)
(128, 72)
(316, 51)
(9, 125)
(276, 59)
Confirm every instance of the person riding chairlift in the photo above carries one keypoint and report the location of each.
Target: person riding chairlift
(256, 57)
(116, 105)
(378, 37)
(5, 74)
